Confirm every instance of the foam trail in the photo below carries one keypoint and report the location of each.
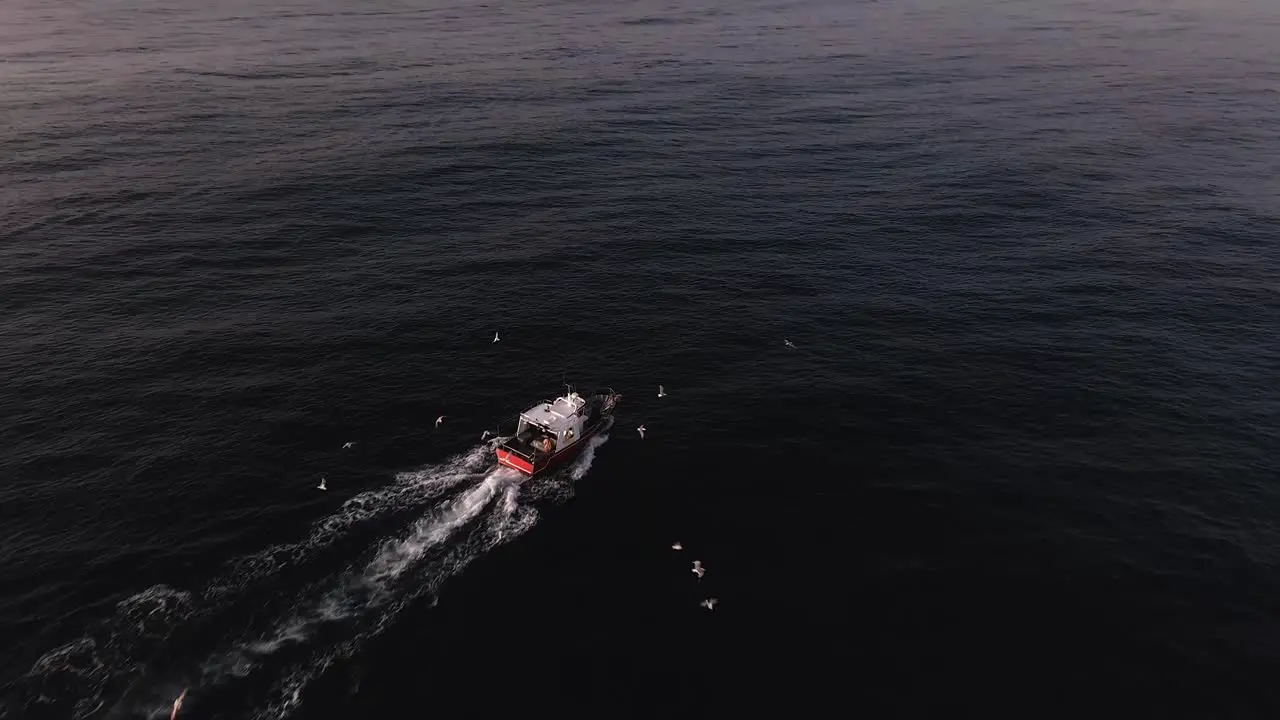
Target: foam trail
(410, 490)
(510, 521)
(338, 615)
(72, 680)
(579, 468)
(361, 592)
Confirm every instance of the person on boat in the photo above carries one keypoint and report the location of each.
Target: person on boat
(548, 445)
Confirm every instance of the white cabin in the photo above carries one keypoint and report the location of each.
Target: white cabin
(561, 420)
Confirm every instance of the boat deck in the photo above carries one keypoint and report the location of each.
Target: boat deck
(522, 444)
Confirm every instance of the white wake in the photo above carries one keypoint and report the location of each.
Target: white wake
(506, 520)
(471, 507)
(410, 490)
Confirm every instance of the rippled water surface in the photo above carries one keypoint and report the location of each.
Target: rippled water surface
(1022, 455)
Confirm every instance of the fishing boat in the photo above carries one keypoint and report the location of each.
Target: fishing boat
(553, 432)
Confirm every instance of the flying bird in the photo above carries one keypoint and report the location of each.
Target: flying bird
(495, 336)
(789, 343)
(661, 392)
(347, 446)
(709, 603)
(641, 431)
(677, 546)
(322, 485)
(177, 704)
(439, 420)
(698, 569)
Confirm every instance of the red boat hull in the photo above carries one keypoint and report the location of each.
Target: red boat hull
(553, 461)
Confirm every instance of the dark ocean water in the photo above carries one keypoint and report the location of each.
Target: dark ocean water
(1023, 458)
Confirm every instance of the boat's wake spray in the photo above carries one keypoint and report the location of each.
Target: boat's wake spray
(327, 620)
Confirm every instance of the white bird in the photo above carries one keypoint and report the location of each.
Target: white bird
(177, 704)
(347, 446)
(322, 485)
(698, 569)
(709, 603)
(641, 431)
(439, 420)
(789, 343)
(495, 336)
(677, 546)
(661, 392)
(485, 435)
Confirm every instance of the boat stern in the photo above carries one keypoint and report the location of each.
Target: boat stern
(512, 460)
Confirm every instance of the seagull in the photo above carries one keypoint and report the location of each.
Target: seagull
(495, 336)
(788, 343)
(177, 704)
(709, 603)
(641, 431)
(661, 392)
(698, 569)
(439, 420)
(677, 546)
(322, 486)
(347, 446)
